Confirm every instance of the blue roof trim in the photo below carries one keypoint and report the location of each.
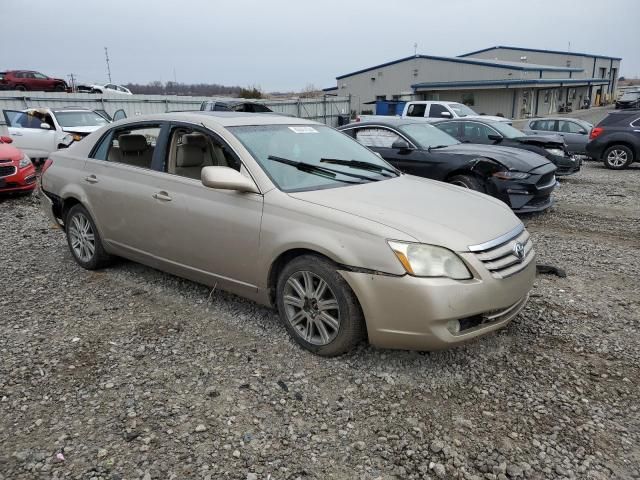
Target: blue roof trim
(481, 62)
(533, 81)
(521, 49)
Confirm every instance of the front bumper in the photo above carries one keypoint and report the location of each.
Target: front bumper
(24, 180)
(413, 313)
(566, 165)
(526, 196)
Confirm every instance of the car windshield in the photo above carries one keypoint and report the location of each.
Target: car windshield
(271, 145)
(630, 96)
(80, 119)
(428, 136)
(506, 130)
(461, 109)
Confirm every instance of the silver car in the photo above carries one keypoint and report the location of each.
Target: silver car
(574, 131)
(295, 215)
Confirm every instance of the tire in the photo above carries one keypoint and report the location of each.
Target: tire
(468, 181)
(327, 323)
(617, 157)
(84, 240)
(21, 88)
(59, 88)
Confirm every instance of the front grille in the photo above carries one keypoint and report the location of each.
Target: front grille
(7, 171)
(499, 256)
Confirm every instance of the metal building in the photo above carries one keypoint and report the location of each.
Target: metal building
(513, 82)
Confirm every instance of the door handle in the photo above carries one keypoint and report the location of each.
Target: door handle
(162, 196)
(91, 179)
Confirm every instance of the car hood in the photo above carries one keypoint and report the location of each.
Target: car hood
(85, 130)
(511, 158)
(546, 139)
(427, 210)
(9, 152)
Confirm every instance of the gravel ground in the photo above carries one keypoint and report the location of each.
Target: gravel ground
(129, 373)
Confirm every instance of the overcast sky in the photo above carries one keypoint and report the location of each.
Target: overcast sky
(288, 44)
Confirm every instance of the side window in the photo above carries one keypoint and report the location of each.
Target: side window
(376, 137)
(476, 132)
(565, 126)
(190, 150)
(436, 110)
(450, 128)
(544, 125)
(416, 110)
(131, 146)
(24, 119)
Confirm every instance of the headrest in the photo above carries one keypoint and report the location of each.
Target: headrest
(189, 156)
(132, 143)
(196, 139)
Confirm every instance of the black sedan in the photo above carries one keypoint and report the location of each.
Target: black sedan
(488, 132)
(523, 180)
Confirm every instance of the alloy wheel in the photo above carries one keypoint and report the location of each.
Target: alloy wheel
(617, 158)
(82, 237)
(311, 308)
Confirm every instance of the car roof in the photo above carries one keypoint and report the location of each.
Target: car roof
(392, 122)
(224, 119)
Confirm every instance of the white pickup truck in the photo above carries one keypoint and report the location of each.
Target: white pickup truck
(437, 109)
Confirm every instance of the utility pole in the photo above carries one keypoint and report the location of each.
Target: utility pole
(415, 49)
(106, 54)
(72, 78)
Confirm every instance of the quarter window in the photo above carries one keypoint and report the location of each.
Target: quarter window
(545, 125)
(376, 137)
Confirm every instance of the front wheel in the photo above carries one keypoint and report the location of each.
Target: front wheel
(318, 308)
(468, 181)
(84, 240)
(618, 157)
(59, 88)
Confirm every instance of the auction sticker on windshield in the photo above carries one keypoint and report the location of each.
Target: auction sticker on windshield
(303, 130)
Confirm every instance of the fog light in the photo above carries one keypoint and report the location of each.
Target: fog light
(453, 326)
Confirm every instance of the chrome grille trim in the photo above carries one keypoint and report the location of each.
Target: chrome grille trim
(497, 241)
(500, 259)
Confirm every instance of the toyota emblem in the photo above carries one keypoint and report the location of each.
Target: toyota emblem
(518, 251)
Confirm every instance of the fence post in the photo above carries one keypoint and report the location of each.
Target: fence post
(298, 106)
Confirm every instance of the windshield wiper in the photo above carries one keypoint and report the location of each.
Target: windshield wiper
(436, 147)
(370, 167)
(316, 170)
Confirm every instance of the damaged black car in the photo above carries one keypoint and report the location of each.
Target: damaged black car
(489, 132)
(522, 179)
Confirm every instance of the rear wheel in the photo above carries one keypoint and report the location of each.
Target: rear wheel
(318, 308)
(21, 88)
(84, 240)
(618, 157)
(468, 181)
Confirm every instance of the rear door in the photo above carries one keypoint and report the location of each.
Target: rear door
(28, 135)
(131, 200)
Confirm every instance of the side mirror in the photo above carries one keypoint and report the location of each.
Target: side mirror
(45, 126)
(446, 114)
(401, 144)
(6, 140)
(583, 132)
(495, 137)
(225, 178)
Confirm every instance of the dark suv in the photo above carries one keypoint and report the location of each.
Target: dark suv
(616, 139)
(30, 80)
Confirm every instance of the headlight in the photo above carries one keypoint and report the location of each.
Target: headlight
(25, 161)
(511, 175)
(555, 151)
(423, 260)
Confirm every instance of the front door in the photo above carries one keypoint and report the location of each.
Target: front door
(28, 135)
(220, 242)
